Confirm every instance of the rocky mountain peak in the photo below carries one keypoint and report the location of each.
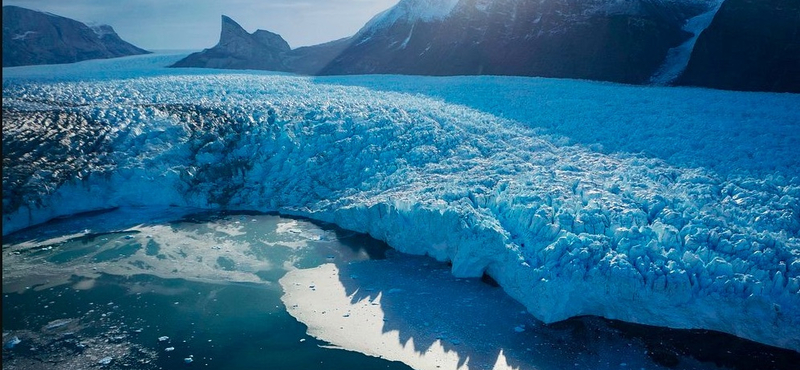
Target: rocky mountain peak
(238, 49)
(628, 41)
(231, 30)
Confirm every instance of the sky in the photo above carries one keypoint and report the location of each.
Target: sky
(195, 24)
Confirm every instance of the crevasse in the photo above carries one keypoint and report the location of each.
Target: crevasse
(566, 229)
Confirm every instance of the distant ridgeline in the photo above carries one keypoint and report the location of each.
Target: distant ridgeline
(727, 44)
(32, 37)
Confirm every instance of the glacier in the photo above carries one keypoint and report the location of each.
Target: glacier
(675, 207)
(678, 57)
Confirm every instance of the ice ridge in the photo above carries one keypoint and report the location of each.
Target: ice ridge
(565, 230)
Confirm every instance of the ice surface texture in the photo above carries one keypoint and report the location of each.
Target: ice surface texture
(567, 228)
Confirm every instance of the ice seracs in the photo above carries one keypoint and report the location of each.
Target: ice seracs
(565, 229)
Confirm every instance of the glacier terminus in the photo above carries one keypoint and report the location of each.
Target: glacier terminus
(675, 207)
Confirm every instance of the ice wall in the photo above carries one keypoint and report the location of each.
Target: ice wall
(564, 229)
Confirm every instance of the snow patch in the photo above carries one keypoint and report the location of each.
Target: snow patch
(101, 30)
(23, 36)
(405, 42)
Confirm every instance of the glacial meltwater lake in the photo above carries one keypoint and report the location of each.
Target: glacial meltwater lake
(179, 288)
(208, 282)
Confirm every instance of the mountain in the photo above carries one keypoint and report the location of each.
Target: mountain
(262, 50)
(750, 45)
(726, 44)
(600, 40)
(32, 37)
(238, 49)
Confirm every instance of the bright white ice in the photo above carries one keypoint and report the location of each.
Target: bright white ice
(665, 206)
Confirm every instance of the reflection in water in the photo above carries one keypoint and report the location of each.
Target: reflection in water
(411, 309)
(99, 290)
(206, 282)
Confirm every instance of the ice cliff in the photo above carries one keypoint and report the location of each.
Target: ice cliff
(566, 228)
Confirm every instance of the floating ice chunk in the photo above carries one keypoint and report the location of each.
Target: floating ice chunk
(188, 360)
(12, 342)
(519, 329)
(169, 349)
(480, 191)
(163, 338)
(105, 360)
(57, 323)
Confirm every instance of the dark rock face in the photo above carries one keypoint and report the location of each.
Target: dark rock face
(262, 50)
(750, 45)
(310, 60)
(238, 49)
(31, 37)
(600, 40)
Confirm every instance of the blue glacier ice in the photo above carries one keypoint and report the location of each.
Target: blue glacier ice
(663, 206)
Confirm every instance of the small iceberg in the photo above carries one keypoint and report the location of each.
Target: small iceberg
(12, 342)
(57, 323)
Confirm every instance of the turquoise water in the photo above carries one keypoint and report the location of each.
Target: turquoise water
(100, 290)
(74, 300)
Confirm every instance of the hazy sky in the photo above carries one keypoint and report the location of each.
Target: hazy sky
(195, 24)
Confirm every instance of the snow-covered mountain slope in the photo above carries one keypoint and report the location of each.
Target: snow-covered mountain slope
(566, 229)
(409, 11)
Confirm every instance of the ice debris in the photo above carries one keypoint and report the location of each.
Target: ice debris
(55, 324)
(566, 229)
(12, 342)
